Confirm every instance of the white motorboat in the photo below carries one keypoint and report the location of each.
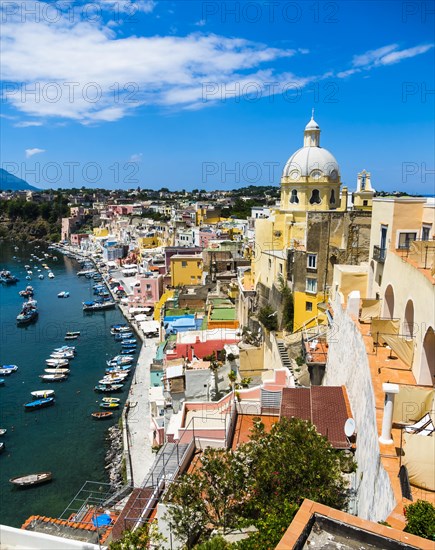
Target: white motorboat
(62, 355)
(57, 362)
(50, 275)
(42, 394)
(57, 371)
(53, 377)
(64, 348)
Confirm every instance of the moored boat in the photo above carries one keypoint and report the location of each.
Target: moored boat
(50, 275)
(53, 377)
(102, 415)
(107, 388)
(111, 399)
(105, 405)
(2, 381)
(63, 294)
(6, 278)
(39, 404)
(3, 431)
(2, 447)
(58, 363)
(98, 306)
(42, 394)
(28, 314)
(72, 333)
(57, 371)
(32, 479)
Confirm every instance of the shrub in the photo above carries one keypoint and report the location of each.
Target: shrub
(420, 519)
(268, 318)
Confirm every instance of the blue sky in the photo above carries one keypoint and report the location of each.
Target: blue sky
(215, 94)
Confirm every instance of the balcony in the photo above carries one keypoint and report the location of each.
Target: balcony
(379, 254)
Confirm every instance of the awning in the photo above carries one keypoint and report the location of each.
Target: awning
(149, 326)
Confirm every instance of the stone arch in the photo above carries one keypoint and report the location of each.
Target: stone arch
(408, 322)
(389, 302)
(427, 370)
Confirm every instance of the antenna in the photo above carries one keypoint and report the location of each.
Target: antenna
(349, 427)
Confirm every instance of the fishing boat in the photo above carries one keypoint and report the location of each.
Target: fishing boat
(39, 394)
(108, 388)
(105, 405)
(6, 278)
(98, 306)
(53, 377)
(60, 370)
(65, 348)
(6, 370)
(73, 333)
(119, 326)
(2, 381)
(32, 479)
(128, 351)
(2, 447)
(62, 355)
(50, 275)
(85, 272)
(28, 314)
(3, 431)
(123, 336)
(41, 276)
(110, 380)
(102, 415)
(111, 399)
(70, 337)
(131, 341)
(39, 404)
(118, 370)
(63, 294)
(57, 362)
(27, 292)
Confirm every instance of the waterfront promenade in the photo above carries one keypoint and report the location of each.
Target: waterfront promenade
(138, 416)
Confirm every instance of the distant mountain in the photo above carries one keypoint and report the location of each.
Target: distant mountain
(10, 182)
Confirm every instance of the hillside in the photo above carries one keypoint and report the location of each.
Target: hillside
(10, 182)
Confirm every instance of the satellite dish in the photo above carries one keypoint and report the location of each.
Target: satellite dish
(349, 427)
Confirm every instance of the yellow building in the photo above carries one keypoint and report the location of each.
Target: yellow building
(101, 232)
(186, 269)
(148, 242)
(300, 242)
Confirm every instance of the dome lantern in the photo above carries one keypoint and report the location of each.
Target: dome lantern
(312, 133)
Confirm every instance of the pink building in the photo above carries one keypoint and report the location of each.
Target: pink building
(148, 291)
(77, 238)
(206, 235)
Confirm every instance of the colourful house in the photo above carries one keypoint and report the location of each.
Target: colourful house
(186, 269)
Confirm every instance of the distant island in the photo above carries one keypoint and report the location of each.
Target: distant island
(9, 182)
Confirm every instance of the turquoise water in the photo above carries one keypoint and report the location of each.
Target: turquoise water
(63, 439)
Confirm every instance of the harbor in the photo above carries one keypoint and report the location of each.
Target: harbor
(64, 438)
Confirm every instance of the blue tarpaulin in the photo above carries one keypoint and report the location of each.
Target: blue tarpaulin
(102, 521)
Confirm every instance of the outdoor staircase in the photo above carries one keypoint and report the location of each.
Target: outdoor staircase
(285, 359)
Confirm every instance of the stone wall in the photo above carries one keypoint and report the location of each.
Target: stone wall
(348, 365)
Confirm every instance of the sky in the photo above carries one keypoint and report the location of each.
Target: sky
(215, 94)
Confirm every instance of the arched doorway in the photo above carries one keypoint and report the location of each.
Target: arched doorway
(408, 323)
(427, 371)
(389, 302)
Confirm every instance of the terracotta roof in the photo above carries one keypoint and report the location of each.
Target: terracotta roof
(324, 406)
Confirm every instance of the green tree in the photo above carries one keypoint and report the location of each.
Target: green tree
(420, 519)
(215, 543)
(142, 538)
(186, 516)
(268, 318)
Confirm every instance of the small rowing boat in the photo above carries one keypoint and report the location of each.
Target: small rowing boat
(32, 479)
(53, 377)
(57, 371)
(109, 405)
(102, 415)
(111, 399)
(39, 404)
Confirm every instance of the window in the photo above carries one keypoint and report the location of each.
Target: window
(312, 261)
(308, 306)
(405, 239)
(280, 268)
(198, 264)
(365, 203)
(311, 285)
(183, 264)
(294, 197)
(332, 197)
(148, 287)
(270, 264)
(315, 197)
(425, 232)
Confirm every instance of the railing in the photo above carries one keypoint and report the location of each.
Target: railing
(379, 254)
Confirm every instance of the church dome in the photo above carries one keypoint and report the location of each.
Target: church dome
(312, 162)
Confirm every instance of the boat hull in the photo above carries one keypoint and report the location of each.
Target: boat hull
(32, 480)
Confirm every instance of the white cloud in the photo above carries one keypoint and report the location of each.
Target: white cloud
(388, 55)
(35, 151)
(136, 157)
(27, 124)
(200, 23)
